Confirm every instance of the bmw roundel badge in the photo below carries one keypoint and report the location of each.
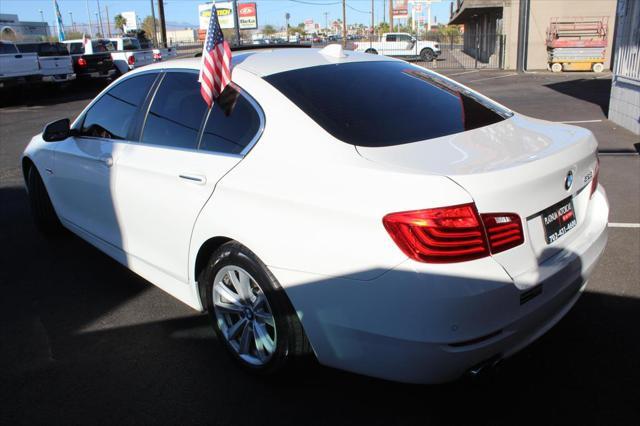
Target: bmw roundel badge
(568, 181)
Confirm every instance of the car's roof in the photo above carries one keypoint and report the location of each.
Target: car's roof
(264, 62)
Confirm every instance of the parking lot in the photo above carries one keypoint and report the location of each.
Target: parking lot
(84, 340)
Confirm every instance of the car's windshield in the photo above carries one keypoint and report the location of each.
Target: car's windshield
(385, 103)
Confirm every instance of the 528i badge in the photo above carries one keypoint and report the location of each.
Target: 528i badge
(558, 220)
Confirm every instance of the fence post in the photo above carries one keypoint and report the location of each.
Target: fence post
(477, 47)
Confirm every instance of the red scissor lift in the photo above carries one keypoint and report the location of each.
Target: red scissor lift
(577, 43)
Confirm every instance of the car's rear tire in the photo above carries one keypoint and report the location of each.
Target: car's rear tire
(427, 54)
(556, 67)
(250, 313)
(42, 211)
(371, 51)
(597, 67)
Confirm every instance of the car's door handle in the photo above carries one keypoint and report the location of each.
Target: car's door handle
(199, 179)
(107, 160)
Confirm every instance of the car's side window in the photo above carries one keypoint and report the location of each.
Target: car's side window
(111, 116)
(232, 124)
(176, 112)
(391, 37)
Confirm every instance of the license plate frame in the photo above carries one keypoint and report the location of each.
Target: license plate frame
(558, 220)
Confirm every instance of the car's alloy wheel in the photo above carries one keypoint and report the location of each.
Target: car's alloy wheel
(251, 314)
(244, 315)
(427, 55)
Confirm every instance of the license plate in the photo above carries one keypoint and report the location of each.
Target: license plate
(558, 220)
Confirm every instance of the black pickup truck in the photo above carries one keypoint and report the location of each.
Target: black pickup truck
(93, 61)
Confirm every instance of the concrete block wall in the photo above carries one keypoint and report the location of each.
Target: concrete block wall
(624, 108)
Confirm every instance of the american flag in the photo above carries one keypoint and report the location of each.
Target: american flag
(215, 71)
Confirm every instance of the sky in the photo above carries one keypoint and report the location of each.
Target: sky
(269, 11)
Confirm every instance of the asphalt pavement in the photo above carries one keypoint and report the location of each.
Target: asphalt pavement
(85, 341)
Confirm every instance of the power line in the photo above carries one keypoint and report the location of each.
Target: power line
(368, 12)
(315, 3)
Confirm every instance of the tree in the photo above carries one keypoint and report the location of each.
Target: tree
(268, 30)
(120, 22)
(148, 26)
(73, 35)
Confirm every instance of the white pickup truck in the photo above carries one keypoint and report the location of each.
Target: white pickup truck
(17, 68)
(401, 45)
(127, 54)
(55, 61)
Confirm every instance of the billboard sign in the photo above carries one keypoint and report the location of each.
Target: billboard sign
(225, 14)
(247, 16)
(309, 25)
(132, 21)
(401, 9)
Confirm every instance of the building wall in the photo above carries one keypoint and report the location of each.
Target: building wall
(624, 106)
(181, 36)
(543, 10)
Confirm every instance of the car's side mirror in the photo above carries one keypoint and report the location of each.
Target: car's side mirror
(57, 131)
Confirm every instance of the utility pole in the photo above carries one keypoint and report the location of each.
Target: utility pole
(344, 23)
(100, 18)
(371, 32)
(286, 19)
(391, 15)
(108, 22)
(236, 23)
(73, 25)
(326, 21)
(163, 28)
(155, 30)
(41, 15)
(89, 16)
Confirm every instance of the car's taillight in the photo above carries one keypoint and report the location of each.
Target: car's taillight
(157, 56)
(131, 60)
(82, 62)
(594, 181)
(442, 235)
(504, 231)
(453, 234)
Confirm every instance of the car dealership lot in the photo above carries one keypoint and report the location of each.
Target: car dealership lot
(84, 340)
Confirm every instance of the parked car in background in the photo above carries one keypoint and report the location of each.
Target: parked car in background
(91, 58)
(127, 54)
(164, 53)
(401, 45)
(56, 65)
(450, 232)
(16, 67)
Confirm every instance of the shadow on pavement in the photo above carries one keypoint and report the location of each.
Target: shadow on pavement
(596, 91)
(86, 341)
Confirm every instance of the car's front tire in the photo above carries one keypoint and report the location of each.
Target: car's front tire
(42, 211)
(250, 313)
(427, 54)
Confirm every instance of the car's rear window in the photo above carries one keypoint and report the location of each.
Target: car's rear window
(385, 103)
(45, 49)
(8, 48)
(100, 46)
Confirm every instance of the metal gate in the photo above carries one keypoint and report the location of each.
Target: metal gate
(457, 51)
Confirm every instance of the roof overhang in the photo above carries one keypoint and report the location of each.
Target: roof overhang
(471, 8)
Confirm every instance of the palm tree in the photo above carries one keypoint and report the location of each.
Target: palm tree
(120, 22)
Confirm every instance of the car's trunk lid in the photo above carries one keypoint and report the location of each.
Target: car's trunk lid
(519, 165)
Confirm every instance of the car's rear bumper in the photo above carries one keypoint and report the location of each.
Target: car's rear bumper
(97, 74)
(58, 78)
(425, 323)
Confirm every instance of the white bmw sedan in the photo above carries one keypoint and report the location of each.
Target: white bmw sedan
(375, 214)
